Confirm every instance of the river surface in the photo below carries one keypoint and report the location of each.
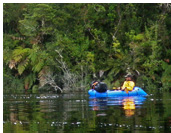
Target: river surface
(79, 113)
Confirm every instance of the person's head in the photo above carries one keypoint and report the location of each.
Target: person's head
(128, 77)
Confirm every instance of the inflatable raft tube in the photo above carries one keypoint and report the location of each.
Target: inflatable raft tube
(137, 91)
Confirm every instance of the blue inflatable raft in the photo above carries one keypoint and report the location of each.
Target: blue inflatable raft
(137, 91)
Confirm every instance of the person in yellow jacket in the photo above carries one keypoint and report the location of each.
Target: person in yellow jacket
(128, 85)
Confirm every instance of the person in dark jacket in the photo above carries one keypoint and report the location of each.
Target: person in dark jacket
(99, 86)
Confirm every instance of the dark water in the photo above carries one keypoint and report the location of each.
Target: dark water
(79, 113)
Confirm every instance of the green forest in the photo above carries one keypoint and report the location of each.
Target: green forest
(63, 47)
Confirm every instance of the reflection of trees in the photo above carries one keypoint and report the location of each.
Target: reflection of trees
(13, 114)
(49, 112)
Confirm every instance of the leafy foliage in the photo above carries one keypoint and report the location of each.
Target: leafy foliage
(114, 38)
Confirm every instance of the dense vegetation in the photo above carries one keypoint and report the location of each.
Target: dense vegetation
(64, 45)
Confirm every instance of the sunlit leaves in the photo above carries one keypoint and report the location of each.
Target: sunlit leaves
(116, 46)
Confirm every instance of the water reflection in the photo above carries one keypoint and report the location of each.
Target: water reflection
(81, 113)
(98, 103)
(129, 104)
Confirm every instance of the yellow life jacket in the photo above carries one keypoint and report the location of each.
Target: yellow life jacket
(129, 85)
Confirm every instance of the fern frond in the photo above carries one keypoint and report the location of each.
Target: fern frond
(33, 56)
(12, 64)
(18, 58)
(22, 66)
(20, 51)
(38, 66)
(30, 80)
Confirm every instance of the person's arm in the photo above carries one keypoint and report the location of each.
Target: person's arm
(124, 85)
(94, 84)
